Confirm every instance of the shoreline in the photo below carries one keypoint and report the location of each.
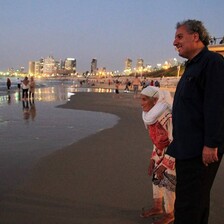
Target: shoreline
(104, 174)
(105, 83)
(99, 179)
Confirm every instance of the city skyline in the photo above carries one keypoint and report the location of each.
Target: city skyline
(110, 31)
(52, 66)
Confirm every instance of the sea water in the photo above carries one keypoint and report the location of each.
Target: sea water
(30, 130)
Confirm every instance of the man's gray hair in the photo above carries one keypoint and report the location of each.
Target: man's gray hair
(196, 26)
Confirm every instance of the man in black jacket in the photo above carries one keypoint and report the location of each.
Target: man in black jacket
(198, 123)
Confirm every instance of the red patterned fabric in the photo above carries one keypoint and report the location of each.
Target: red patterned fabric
(159, 135)
(168, 162)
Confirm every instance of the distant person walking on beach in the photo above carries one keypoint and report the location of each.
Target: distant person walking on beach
(32, 85)
(136, 83)
(198, 123)
(25, 88)
(156, 105)
(127, 85)
(117, 85)
(18, 83)
(8, 83)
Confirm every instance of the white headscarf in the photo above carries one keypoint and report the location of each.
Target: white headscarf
(164, 102)
(151, 91)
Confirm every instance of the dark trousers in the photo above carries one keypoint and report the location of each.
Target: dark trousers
(25, 93)
(194, 182)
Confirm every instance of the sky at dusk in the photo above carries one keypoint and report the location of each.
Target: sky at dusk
(108, 30)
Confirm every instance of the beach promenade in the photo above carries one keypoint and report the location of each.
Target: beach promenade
(101, 179)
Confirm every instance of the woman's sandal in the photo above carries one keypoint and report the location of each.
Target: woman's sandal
(151, 212)
(166, 219)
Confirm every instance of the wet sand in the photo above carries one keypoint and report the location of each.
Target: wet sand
(99, 179)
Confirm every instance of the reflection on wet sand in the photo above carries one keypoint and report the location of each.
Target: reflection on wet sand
(74, 88)
(9, 98)
(29, 109)
(60, 92)
(28, 135)
(54, 93)
(46, 94)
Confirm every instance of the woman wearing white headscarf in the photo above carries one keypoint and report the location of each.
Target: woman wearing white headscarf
(156, 105)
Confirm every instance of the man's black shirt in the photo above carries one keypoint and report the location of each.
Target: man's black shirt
(198, 108)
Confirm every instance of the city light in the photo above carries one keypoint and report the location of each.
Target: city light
(51, 68)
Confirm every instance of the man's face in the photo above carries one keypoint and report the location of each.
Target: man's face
(185, 42)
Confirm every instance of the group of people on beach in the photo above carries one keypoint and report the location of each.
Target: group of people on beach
(187, 133)
(28, 87)
(136, 84)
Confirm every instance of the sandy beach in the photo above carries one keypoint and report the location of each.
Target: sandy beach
(99, 179)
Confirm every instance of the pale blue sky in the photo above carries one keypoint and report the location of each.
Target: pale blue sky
(109, 30)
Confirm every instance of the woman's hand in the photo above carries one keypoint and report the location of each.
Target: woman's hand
(151, 167)
(159, 172)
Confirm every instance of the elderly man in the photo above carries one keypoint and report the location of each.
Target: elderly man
(198, 123)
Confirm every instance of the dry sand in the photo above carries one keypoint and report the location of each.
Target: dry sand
(101, 179)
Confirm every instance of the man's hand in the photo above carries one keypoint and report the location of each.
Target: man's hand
(209, 155)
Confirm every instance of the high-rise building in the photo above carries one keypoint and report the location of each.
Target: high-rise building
(31, 69)
(94, 66)
(140, 64)
(49, 67)
(70, 65)
(37, 69)
(41, 65)
(128, 64)
(61, 65)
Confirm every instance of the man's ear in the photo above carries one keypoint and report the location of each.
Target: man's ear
(196, 37)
